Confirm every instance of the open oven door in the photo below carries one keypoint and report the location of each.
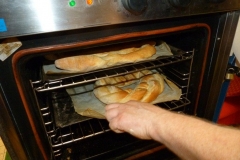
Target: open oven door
(223, 109)
(227, 109)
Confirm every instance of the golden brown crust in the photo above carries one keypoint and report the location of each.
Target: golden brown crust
(84, 63)
(147, 90)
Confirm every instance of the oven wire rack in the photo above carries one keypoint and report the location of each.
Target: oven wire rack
(90, 127)
(41, 86)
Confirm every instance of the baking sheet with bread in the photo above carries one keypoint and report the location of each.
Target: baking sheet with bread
(146, 86)
(100, 60)
(146, 90)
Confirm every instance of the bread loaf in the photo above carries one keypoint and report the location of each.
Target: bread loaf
(84, 63)
(147, 90)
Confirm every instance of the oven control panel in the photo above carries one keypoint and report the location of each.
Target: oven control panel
(135, 7)
(177, 8)
(41, 16)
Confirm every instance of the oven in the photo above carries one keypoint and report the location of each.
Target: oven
(38, 115)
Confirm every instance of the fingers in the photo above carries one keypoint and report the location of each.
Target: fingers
(111, 114)
(111, 106)
(113, 125)
(133, 117)
(111, 111)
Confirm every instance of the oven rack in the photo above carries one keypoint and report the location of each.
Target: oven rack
(60, 137)
(41, 86)
(179, 75)
(63, 108)
(92, 127)
(52, 129)
(61, 99)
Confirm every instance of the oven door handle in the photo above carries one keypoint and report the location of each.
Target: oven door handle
(231, 71)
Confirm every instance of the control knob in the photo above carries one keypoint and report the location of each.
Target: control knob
(135, 7)
(179, 3)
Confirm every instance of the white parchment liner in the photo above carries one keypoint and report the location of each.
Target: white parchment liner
(86, 104)
(161, 50)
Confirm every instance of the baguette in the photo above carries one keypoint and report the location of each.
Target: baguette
(147, 90)
(85, 63)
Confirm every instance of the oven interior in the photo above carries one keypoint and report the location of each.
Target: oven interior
(69, 135)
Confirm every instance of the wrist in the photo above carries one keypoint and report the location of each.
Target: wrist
(159, 124)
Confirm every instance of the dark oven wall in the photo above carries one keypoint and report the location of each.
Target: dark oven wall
(210, 36)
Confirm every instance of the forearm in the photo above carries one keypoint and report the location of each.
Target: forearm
(192, 138)
(189, 137)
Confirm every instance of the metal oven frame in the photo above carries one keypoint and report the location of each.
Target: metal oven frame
(19, 125)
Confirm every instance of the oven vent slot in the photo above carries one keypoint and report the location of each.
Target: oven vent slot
(41, 86)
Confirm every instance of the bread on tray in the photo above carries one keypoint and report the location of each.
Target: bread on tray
(147, 89)
(85, 63)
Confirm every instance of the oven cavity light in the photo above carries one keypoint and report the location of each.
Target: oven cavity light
(72, 3)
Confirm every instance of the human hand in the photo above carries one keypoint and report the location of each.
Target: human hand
(137, 118)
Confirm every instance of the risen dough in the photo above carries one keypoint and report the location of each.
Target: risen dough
(147, 90)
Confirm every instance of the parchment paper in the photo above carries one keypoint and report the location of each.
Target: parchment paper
(86, 104)
(8, 47)
(161, 50)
